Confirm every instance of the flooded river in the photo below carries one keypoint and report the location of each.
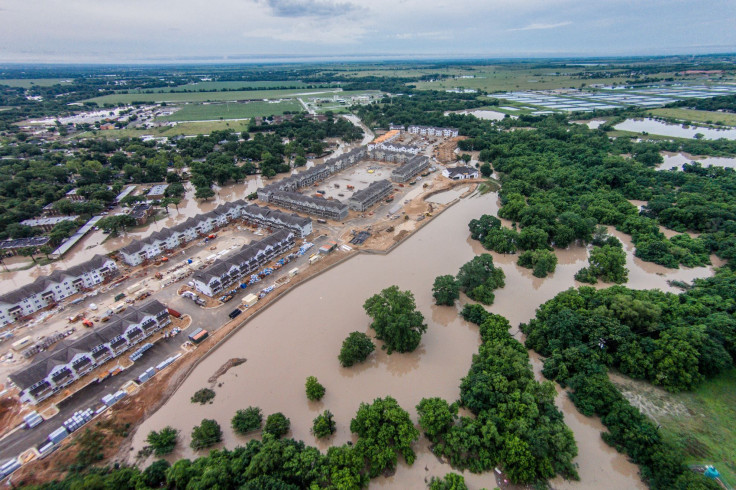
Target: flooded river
(301, 336)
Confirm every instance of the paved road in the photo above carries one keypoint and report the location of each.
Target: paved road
(89, 397)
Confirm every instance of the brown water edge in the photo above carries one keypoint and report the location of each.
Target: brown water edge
(302, 335)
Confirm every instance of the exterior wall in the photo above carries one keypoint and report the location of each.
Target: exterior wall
(378, 193)
(154, 323)
(211, 283)
(55, 291)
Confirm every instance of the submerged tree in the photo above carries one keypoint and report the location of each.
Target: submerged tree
(396, 319)
(355, 348)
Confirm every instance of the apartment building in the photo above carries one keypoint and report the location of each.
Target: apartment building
(71, 359)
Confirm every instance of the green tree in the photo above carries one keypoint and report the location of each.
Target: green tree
(542, 261)
(486, 170)
(355, 348)
(607, 262)
(247, 420)
(501, 240)
(451, 481)
(163, 441)
(396, 319)
(479, 277)
(155, 475)
(479, 228)
(206, 434)
(532, 238)
(315, 391)
(204, 193)
(436, 416)
(445, 290)
(277, 425)
(324, 425)
(384, 430)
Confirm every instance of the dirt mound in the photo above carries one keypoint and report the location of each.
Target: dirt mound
(10, 413)
(235, 361)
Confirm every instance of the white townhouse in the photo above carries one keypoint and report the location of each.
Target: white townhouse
(71, 359)
(49, 290)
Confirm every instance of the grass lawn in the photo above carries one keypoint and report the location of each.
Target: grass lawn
(209, 96)
(236, 110)
(696, 116)
(29, 82)
(185, 128)
(708, 435)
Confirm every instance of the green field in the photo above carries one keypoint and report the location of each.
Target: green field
(707, 117)
(209, 96)
(214, 86)
(236, 110)
(29, 82)
(185, 128)
(708, 434)
(494, 79)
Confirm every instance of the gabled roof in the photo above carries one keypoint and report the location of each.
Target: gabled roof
(65, 350)
(42, 283)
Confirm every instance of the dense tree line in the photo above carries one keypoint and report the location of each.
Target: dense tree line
(726, 103)
(427, 108)
(384, 431)
(516, 423)
(674, 341)
(563, 179)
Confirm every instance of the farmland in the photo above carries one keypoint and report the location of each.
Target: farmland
(217, 86)
(184, 128)
(209, 96)
(30, 82)
(238, 110)
(502, 79)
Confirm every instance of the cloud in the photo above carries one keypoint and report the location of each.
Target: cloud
(310, 8)
(436, 35)
(539, 27)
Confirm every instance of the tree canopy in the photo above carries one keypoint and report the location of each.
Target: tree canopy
(355, 348)
(479, 278)
(384, 431)
(396, 320)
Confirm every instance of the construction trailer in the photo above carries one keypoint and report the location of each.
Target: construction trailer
(198, 335)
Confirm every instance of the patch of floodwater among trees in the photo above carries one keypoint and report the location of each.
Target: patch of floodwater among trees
(678, 160)
(301, 336)
(652, 126)
(483, 114)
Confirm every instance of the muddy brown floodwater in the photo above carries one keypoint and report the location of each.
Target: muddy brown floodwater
(302, 333)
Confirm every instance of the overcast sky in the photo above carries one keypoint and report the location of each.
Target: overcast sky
(236, 30)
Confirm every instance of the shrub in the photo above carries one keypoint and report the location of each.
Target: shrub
(164, 441)
(203, 396)
(324, 425)
(277, 425)
(207, 434)
(355, 348)
(247, 420)
(315, 391)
